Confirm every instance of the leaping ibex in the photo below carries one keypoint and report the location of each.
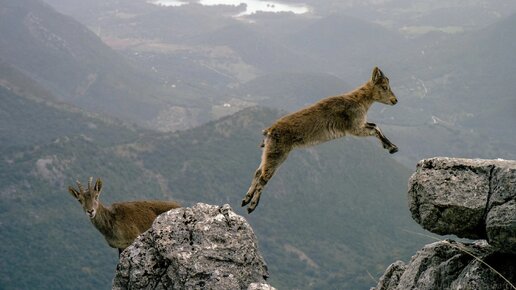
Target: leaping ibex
(122, 222)
(330, 118)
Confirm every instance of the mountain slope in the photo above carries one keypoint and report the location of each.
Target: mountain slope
(319, 223)
(349, 47)
(76, 66)
(291, 91)
(45, 146)
(258, 48)
(446, 83)
(32, 115)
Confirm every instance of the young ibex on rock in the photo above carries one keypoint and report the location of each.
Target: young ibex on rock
(330, 118)
(122, 222)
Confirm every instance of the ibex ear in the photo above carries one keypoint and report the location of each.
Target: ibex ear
(98, 185)
(73, 192)
(377, 75)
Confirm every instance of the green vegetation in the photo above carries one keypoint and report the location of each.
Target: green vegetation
(330, 215)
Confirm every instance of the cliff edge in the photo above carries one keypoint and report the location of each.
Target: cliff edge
(469, 198)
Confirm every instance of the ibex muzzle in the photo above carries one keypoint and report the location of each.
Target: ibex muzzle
(330, 118)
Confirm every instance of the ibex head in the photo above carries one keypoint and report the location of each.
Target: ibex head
(89, 198)
(381, 89)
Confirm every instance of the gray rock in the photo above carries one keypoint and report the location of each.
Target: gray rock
(468, 198)
(501, 227)
(449, 196)
(501, 216)
(202, 247)
(450, 265)
(455, 196)
(391, 278)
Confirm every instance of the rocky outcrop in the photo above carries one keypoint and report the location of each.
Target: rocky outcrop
(473, 199)
(202, 247)
(451, 265)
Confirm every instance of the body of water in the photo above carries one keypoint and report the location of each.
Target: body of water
(172, 3)
(252, 6)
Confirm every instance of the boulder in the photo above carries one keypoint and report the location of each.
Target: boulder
(469, 198)
(202, 247)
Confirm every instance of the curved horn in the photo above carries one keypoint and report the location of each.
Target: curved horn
(79, 185)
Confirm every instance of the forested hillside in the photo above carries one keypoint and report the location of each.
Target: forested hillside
(320, 222)
(75, 65)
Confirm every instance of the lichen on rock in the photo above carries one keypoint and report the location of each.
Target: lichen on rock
(202, 247)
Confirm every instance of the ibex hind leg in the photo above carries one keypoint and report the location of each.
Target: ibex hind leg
(251, 191)
(271, 161)
(252, 188)
(256, 195)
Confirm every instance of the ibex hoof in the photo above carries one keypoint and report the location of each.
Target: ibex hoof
(244, 202)
(253, 205)
(393, 150)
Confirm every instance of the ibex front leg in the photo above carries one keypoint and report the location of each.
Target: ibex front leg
(272, 157)
(370, 129)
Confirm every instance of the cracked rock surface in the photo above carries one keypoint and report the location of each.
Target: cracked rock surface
(202, 247)
(449, 265)
(469, 198)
